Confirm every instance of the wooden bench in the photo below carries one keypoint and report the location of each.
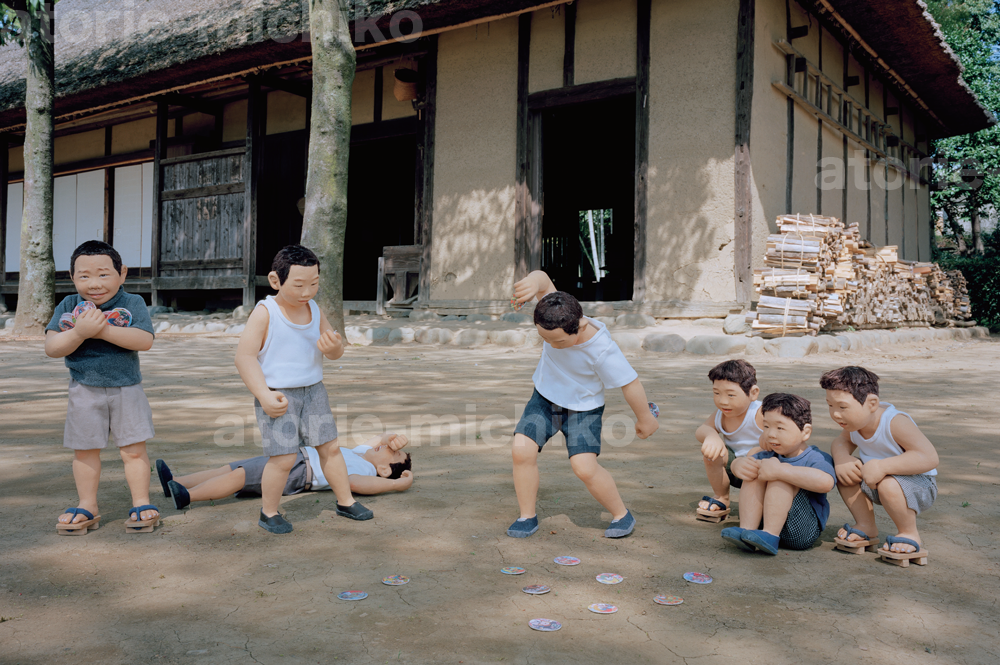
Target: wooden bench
(399, 268)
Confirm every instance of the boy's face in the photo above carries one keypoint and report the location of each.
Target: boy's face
(782, 434)
(300, 286)
(559, 338)
(382, 456)
(730, 398)
(847, 412)
(96, 279)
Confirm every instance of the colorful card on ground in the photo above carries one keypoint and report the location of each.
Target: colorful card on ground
(610, 578)
(352, 595)
(513, 570)
(698, 578)
(395, 580)
(567, 561)
(602, 608)
(667, 600)
(544, 625)
(536, 589)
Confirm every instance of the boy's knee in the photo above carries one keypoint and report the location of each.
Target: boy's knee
(585, 466)
(133, 452)
(524, 450)
(889, 487)
(282, 462)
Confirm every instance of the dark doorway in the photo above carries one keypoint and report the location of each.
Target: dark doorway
(282, 184)
(380, 199)
(588, 180)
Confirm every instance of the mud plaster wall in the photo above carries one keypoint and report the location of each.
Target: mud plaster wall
(857, 189)
(136, 135)
(15, 158)
(895, 183)
(548, 40)
(391, 107)
(606, 39)
(689, 252)
(912, 223)
(76, 147)
(924, 217)
(285, 112)
(474, 163)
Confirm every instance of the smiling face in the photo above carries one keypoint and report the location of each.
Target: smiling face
(559, 338)
(381, 456)
(96, 279)
(730, 398)
(300, 286)
(782, 434)
(850, 414)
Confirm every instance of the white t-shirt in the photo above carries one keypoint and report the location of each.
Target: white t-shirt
(290, 357)
(357, 465)
(575, 377)
(882, 445)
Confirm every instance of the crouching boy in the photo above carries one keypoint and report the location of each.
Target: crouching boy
(783, 498)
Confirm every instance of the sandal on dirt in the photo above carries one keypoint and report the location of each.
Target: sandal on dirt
(855, 546)
(712, 515)
(140, 525)
(78, 528)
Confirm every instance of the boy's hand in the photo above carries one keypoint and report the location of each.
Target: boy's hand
(535, 284)
(330, 343)
(395, 441)
(274, 403)
(871, 473)
(644, 427)
(745, 468)
(713, 448)
(849, 473)
(90, 323)
(404, 481)
(770, 469)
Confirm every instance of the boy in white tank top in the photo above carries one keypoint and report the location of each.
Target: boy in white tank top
(280, 359)
(728, 434)
(897, 465)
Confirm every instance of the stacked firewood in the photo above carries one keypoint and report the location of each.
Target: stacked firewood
(819, 275)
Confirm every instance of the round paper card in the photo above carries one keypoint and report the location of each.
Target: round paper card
(514, 305)
(567, 561)
(698, 578)
(602, 608)
(544, 625)
(513, 570)
(609, 578)
(655, 410)
(536, 589)
(667, 600)
(352, 595)
(395, 580)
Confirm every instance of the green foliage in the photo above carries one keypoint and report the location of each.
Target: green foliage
(12, 13)
(983, 276)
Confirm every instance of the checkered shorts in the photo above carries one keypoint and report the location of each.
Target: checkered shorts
(801, 526)
(920, 491)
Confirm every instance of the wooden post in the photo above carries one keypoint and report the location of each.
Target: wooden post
(159, 153)
(522, 193)
(424, 234)
(643, 8)
(790, 111)
(380, 290)
(109, 194)
(847, 84)
(256, 126)
(569, 46)
(379, 84)
(4, 176)
(868, 156)
(743, 220)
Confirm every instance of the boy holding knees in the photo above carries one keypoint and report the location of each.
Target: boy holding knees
(729, 434)
(783, 498)
(896, 469)
(280, 359)
(99, 332)
(579, 361)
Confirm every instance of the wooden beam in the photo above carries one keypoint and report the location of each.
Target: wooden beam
(94, 164)
(643, 12)
(586, 92)
(522, 195)
(798, 32)
(569, 45)
(159, 153)
(300, 88)
(201, 192)
(256, 122)
(202, 264)
(109, 191)
(205, 106)
(197, 157)
(201, 282)
(4, 174)
(429, 116)
(743, 219)
(386, 129)
(379, 83)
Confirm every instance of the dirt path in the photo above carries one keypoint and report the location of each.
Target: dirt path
(211, 587)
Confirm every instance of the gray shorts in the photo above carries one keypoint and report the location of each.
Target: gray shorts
(95, 413)
(920, 491)
(299, 478)
(307, 422)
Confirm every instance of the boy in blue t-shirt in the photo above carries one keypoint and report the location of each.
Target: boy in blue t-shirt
(784, 491)
(99, 332)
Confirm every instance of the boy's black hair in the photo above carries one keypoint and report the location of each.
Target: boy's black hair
(739, 372)
(96, 248)
(858, 381)
(397, 468)
(559, 310)
(793, 407)
(293, 255)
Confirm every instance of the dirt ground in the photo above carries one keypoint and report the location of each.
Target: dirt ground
(209, 586)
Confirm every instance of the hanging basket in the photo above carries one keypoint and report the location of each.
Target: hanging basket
(405, 87)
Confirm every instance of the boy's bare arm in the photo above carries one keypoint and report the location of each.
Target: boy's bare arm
(645, 423)
(378, 485)
(712, 445)
(919, 455)
(251, 340)
(747, 466)
(845, 464)
(330, 343)
(803, 477)
(89, 324)
(133, 339)
(536, 285)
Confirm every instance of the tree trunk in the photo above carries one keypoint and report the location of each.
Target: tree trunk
(957, 232)
(36, 282)
(977, 231)
(325, 222)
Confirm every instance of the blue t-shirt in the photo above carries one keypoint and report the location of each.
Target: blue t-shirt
(813, 458)
(99, 363)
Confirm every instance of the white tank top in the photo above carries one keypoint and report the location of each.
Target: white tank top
(882, 445)
(745, 437)
(290, 357)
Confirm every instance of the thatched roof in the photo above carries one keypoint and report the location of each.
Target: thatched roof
(109, 51)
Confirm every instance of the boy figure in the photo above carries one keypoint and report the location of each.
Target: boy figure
(897, 469)
(732, 432)
(579, 360)
(376, 467)
(280, 359)
(105, 387)
(784, 490)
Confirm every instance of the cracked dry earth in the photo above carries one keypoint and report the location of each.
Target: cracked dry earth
(209, 586)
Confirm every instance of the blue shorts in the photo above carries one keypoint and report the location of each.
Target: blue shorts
(542, 419)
